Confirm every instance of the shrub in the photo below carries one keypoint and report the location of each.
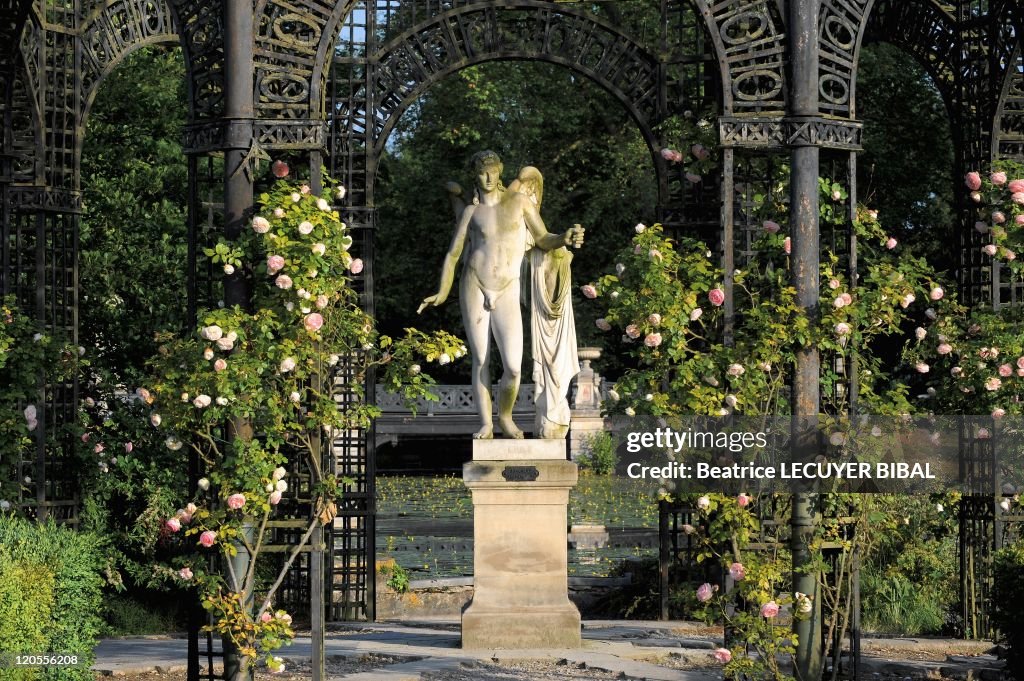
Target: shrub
(599, 457)
(50, 592)
(1008, 595)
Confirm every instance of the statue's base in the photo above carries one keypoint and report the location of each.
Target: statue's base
(520, 559)
(519, 450)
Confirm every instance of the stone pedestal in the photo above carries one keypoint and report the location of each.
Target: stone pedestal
(520, 559)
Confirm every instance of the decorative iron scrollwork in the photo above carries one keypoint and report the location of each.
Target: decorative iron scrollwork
(778, 133)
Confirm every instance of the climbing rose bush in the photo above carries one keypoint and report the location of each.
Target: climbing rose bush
(250, 394)
(998, 197)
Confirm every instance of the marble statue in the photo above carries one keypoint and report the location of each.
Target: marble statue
(494, 230)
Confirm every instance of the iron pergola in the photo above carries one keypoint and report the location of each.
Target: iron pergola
(322, 83)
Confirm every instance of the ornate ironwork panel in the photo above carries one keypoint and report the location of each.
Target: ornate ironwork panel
(750, 44)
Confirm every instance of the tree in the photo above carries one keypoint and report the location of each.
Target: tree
(134, 232)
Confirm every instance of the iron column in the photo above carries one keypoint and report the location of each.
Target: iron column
(803, 25)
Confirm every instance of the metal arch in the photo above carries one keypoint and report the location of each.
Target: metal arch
(201, 31)
(842, 26)
(1008, 123)
(1008, 130)
(423, 55)
(923, 30)
(750, 43)
(105, 45)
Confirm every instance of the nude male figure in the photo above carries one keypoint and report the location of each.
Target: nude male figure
(489, 290)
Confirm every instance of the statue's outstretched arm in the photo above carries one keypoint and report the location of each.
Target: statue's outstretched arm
(544, 239)
(450, 261)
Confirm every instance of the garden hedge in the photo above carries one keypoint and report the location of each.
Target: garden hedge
(50, 596)
(1009, 599)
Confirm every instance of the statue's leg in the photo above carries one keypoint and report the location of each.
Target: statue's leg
(507, 323)
(477, 320)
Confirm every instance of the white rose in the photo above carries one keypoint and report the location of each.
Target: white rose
(279, 473)
(281, 486)
(212, 332)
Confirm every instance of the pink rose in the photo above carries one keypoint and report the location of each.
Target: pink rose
(220, 365)
(699, 152)
(944, 348)
(973, 181)
(689, 529)
(633, 331)
(1005, 370)
(735, 370)
(1019, 220)
(588, 291)
(1016, 186)
(1018, 198)
(287, 364)
(128, 447)
(654, 318)
(236, 501)
(671, 155)
(1008, 254)
(695, 314)
(322, 301)
(279, 168)
(356, 266)
(185, 573)
(275, 498)
(722, 655)
(283, 281)
(305, 189)
(998, 217)
(85, 437)
(737, 571)
(890, 243)
(266, 617)
(993, 384)
(1020, 362)
(834, 284)
(989, 249)
(274, 264)
(998, 413)
(770, 609)
(704, 592)
(603, 324)
(716, 296)
(842, 329)
(98, 448)
(652, 340)
(936, 293)
(981, 227)
(787, 245)
(743, 500)
(704, 503)
(279, 213)
(173, 524)
(313, 322)
(692, 178)
(771, 226)
(922, 368)
(998, 178)
(260, 225)
(976, 197)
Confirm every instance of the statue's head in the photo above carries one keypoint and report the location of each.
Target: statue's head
(487, 167)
